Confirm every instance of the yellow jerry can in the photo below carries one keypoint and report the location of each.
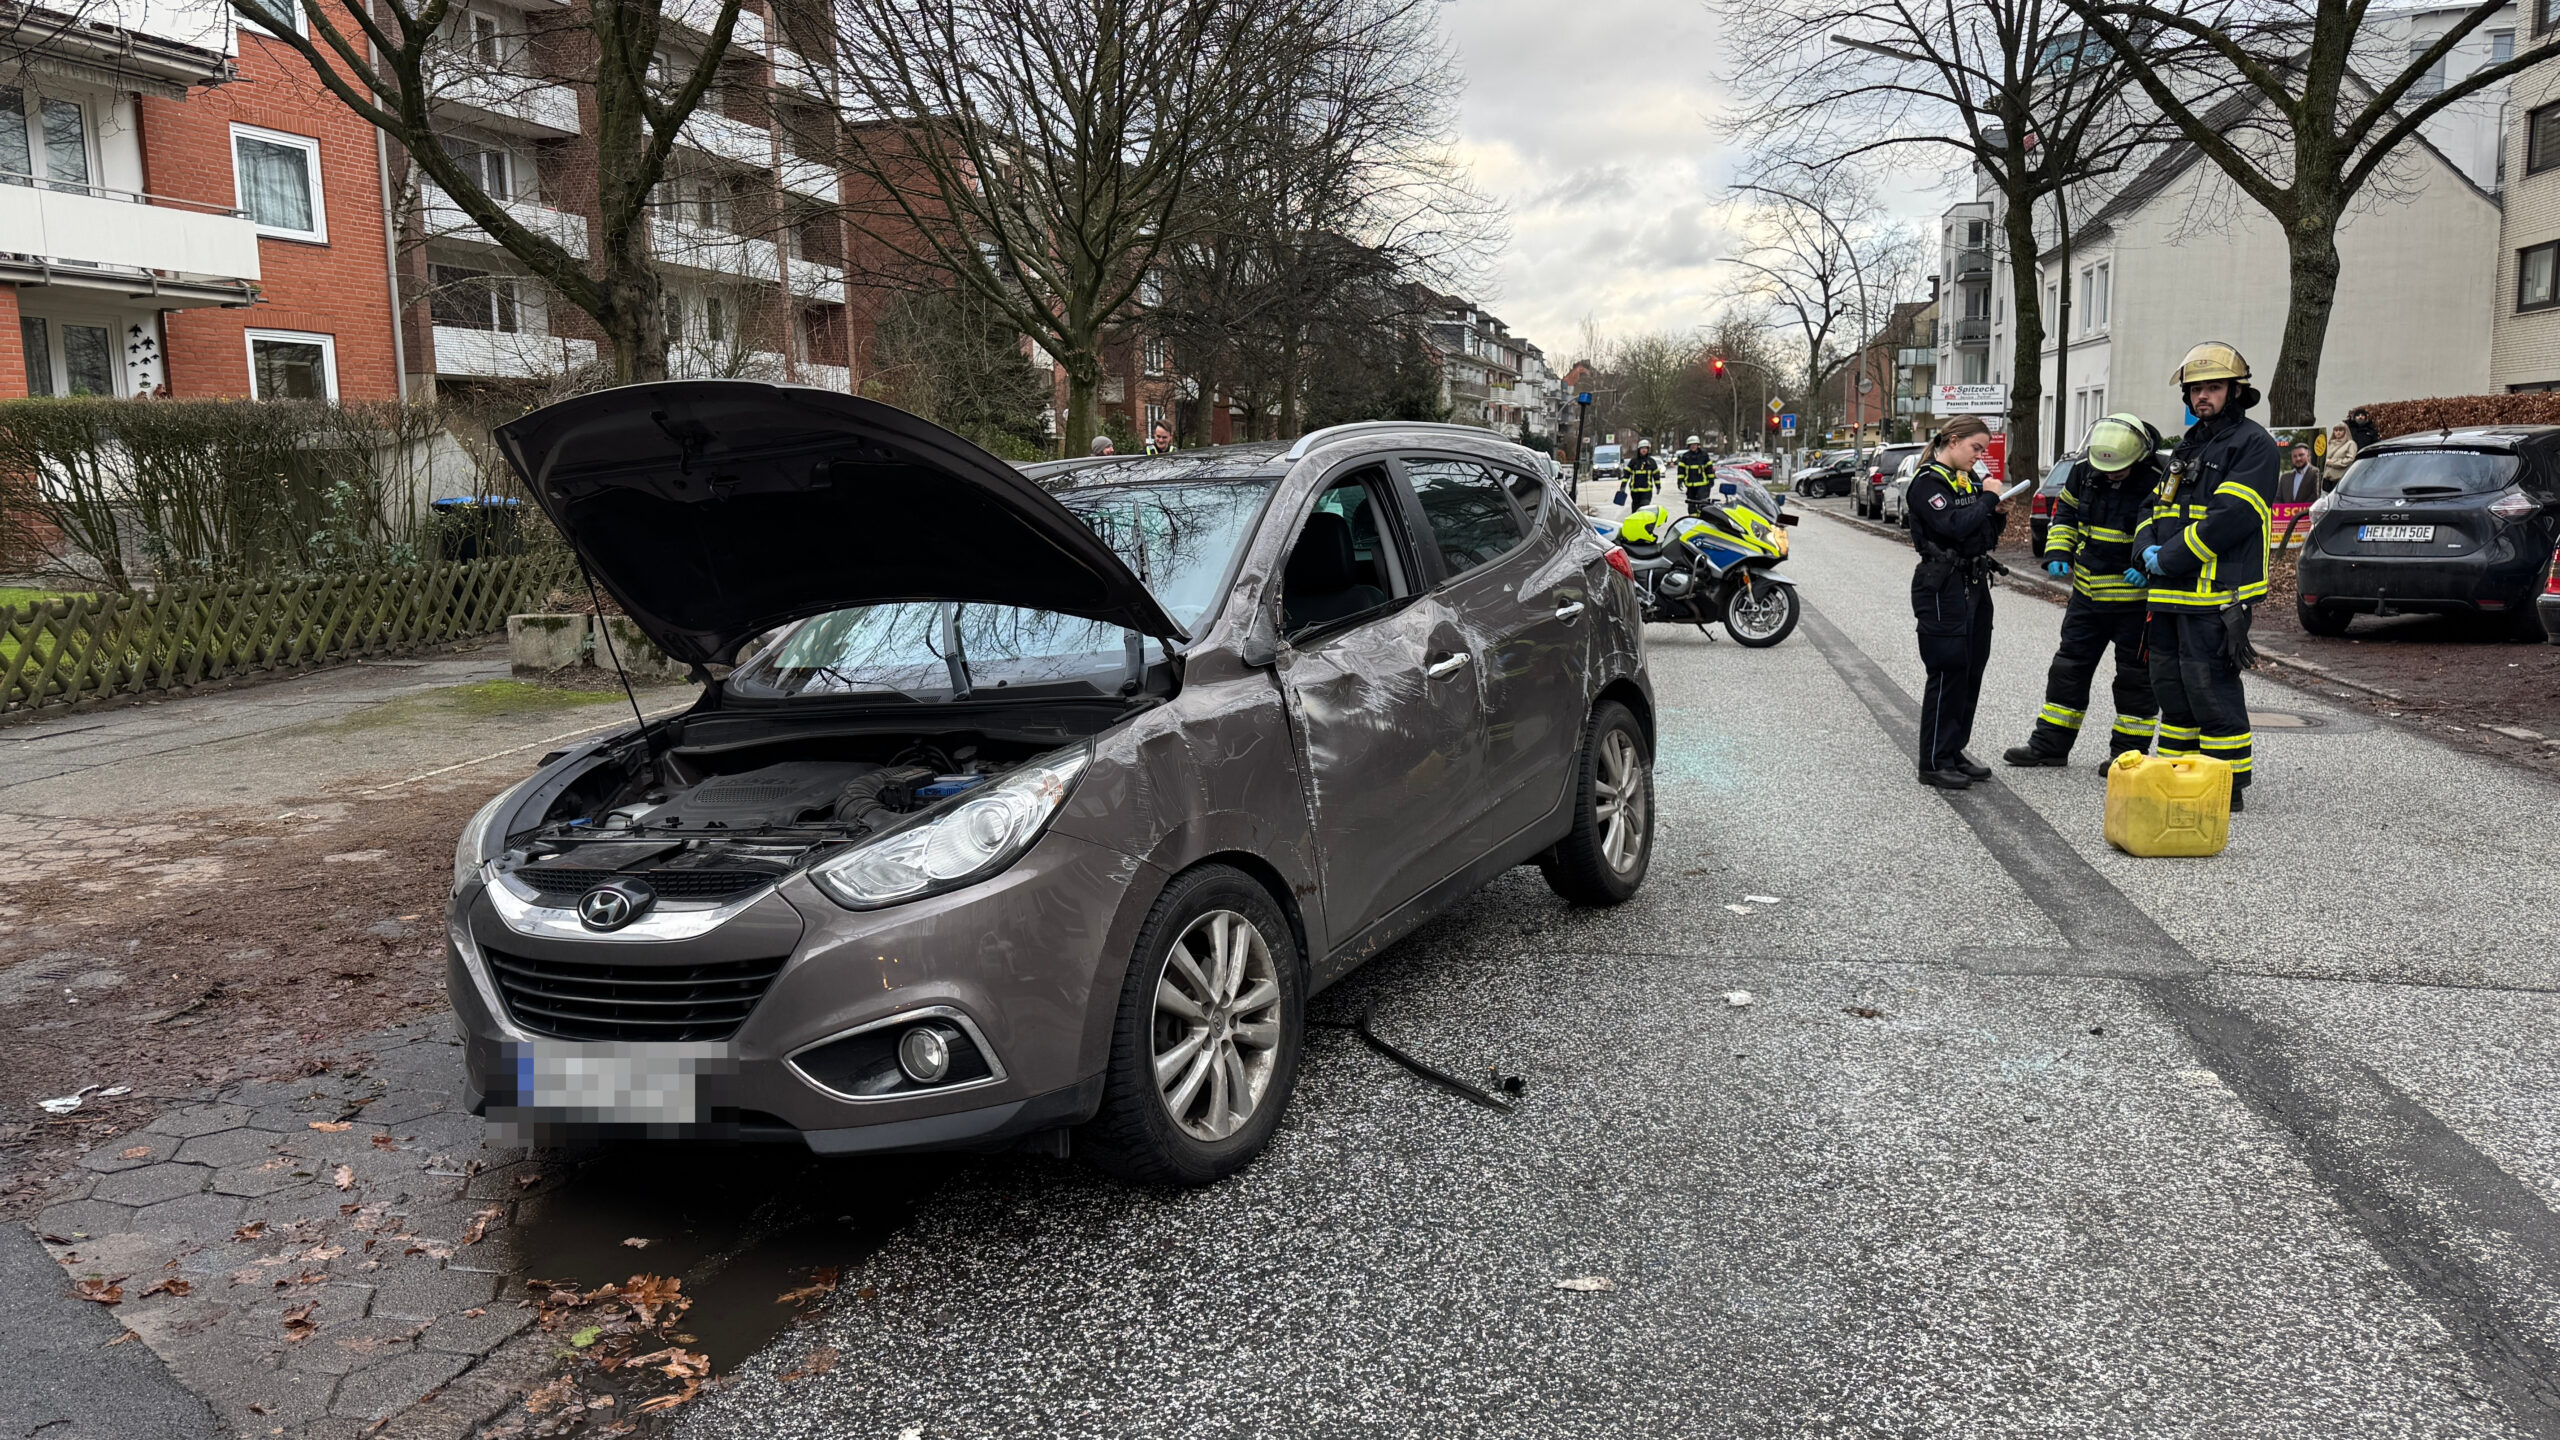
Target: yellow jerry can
(2168, 806)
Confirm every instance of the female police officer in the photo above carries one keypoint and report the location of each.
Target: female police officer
(1954, 524)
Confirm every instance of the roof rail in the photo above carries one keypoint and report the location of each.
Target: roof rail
(1331, 433)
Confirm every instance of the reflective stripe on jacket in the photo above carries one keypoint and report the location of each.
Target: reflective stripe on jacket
(1697, 468)
(1643, 473)
(2094, 520)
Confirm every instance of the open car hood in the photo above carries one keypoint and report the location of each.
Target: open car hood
(715, 510)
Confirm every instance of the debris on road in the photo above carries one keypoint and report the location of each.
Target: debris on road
(103, 1292)
(817, 1362)
(822, 1283)
(1739, 909)
(1863, 1012)
(638, 1242)
(65, 1104)
(1763, 899)
(1738, 999)
(1587, 1283)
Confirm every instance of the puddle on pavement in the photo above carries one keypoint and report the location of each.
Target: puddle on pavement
(738, 1226)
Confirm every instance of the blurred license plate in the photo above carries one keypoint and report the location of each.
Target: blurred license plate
(2395, 532)
(612, 1083)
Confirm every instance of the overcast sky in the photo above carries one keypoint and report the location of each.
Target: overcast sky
(1591, 122)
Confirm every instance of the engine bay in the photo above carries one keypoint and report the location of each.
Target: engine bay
(704, 827)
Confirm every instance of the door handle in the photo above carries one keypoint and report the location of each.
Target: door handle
(1571, 611)
(1450, 666)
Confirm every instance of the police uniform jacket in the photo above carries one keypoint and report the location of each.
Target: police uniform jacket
(1644, 472)
(2211, 518)
(1697, 467)
(1954, 527)
(2094, 520)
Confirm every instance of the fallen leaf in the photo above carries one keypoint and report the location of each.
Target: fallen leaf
(475, 1312)
(322, 1252)
(647, 1295)
(385, 1142)
(816, 1362)
(298, 1324)
(669, 1402)
(168, 1285)
(1862, 1012)
(1587, 1282)
(307, 1277)
(478, 1229)
(822, 1283)
(1739, 909)
(128, 1335)
(134, 1153)
(104, 1292)
(563, 1391)
(342, 1177)
(250, 1231)
(529, 1181)
(332, 1126)
(639, 1242)
(584, 1338)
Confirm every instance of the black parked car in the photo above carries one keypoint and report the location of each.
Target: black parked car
(2454, 521)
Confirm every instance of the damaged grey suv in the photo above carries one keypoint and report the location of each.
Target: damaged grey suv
(1026, 804)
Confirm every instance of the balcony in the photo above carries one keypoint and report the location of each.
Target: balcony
(444, 220)
(1970, 333)
(735, 141)
(816, 179)
(501, 355)
(1973, 265)
(826, 377)
(699, 247)
(117, 240)
(793, 72)
(513, 103)
(816, 280)
(699, 16)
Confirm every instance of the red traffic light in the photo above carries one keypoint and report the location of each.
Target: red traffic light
(1773, 422)
(1719, 364)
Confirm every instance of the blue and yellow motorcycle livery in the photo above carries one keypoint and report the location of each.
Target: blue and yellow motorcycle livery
(1715, 566)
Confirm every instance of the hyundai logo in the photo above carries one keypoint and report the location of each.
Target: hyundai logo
(612, 906)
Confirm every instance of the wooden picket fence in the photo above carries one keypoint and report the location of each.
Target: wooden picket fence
(85, 647)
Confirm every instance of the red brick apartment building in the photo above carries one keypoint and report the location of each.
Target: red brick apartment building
(184, 212)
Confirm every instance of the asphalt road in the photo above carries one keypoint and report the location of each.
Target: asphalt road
(2262, 1145)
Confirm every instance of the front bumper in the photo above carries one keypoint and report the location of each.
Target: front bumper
(1029, 960)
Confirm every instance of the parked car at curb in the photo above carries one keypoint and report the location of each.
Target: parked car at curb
(2451, 521)
(1026, 802)
(1894, 508)
(1829, 473)
(1882, 462)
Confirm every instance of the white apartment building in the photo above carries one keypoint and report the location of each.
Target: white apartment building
(2525, 344)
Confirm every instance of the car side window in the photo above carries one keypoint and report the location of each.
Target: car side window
(1345, 562)
(1470, 515)
(1530, 492)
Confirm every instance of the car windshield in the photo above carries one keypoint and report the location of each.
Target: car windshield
(1181, 539)
(2400, 474)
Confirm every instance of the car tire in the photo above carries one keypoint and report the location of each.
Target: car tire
(1138, 1135)
(1592, 864)
(2322, 619)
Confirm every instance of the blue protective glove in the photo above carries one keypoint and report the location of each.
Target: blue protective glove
(2151, 559)
(2057, 568)
(2136, 577)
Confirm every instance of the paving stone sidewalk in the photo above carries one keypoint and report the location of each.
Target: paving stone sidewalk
(321, 1257)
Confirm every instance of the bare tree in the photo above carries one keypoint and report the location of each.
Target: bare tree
(1826, 264)
(2013, 91)
(2307, 119)
(1044, 152)
(401, 64)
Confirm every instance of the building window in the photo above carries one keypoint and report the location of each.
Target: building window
(2502, 46)
(472, 299)
(66, 358)
(2534, 276)
(2093, 302)
(2430, 80)
(1151, 355)
(288, 365)
(286, 14)
(2541, 139)
(492, 170)
(2544, 13)
(43, 137)
(277, 179)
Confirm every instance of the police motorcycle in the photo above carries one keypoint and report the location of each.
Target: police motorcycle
(1717, 566)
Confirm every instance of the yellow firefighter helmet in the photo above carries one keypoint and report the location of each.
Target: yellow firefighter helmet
(2118, 443)
(2211, 360)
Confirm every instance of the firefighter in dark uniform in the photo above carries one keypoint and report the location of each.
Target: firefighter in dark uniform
(1697, 471)
(1954, 524)
(2107, 498)
(2205, 551)
(1644, 476)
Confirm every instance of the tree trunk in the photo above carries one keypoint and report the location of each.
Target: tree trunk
(2312, 256)
(2026, 356)
(1084, 406)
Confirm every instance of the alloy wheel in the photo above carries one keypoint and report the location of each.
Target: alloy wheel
(1760, 614)
(1619, 799)
(1217, 1025)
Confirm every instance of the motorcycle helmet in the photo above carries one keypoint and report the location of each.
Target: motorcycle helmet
(1645, 526)
(2119, 442)
(2212, 360)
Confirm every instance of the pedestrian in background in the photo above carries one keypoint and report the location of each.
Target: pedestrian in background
(1102, 445)
(2342, 453)
(2106, 499)
(1955, 522)
(2301, 484)
(2205, 552)
(1160, 439)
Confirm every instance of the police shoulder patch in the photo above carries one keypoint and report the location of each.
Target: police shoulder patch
(1937, 502)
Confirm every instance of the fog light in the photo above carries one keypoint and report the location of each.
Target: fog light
(925, 1054)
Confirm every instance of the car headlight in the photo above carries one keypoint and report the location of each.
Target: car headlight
(475, 835)
(961, 843)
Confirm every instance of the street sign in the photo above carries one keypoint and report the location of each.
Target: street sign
(1866, 384)
(1776, 405)
(1786, 424)
(1972, 399)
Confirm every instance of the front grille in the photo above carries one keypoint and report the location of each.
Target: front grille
(586, 1000)
(557, 882)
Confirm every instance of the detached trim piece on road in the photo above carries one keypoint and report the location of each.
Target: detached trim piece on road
(2420, 1193)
